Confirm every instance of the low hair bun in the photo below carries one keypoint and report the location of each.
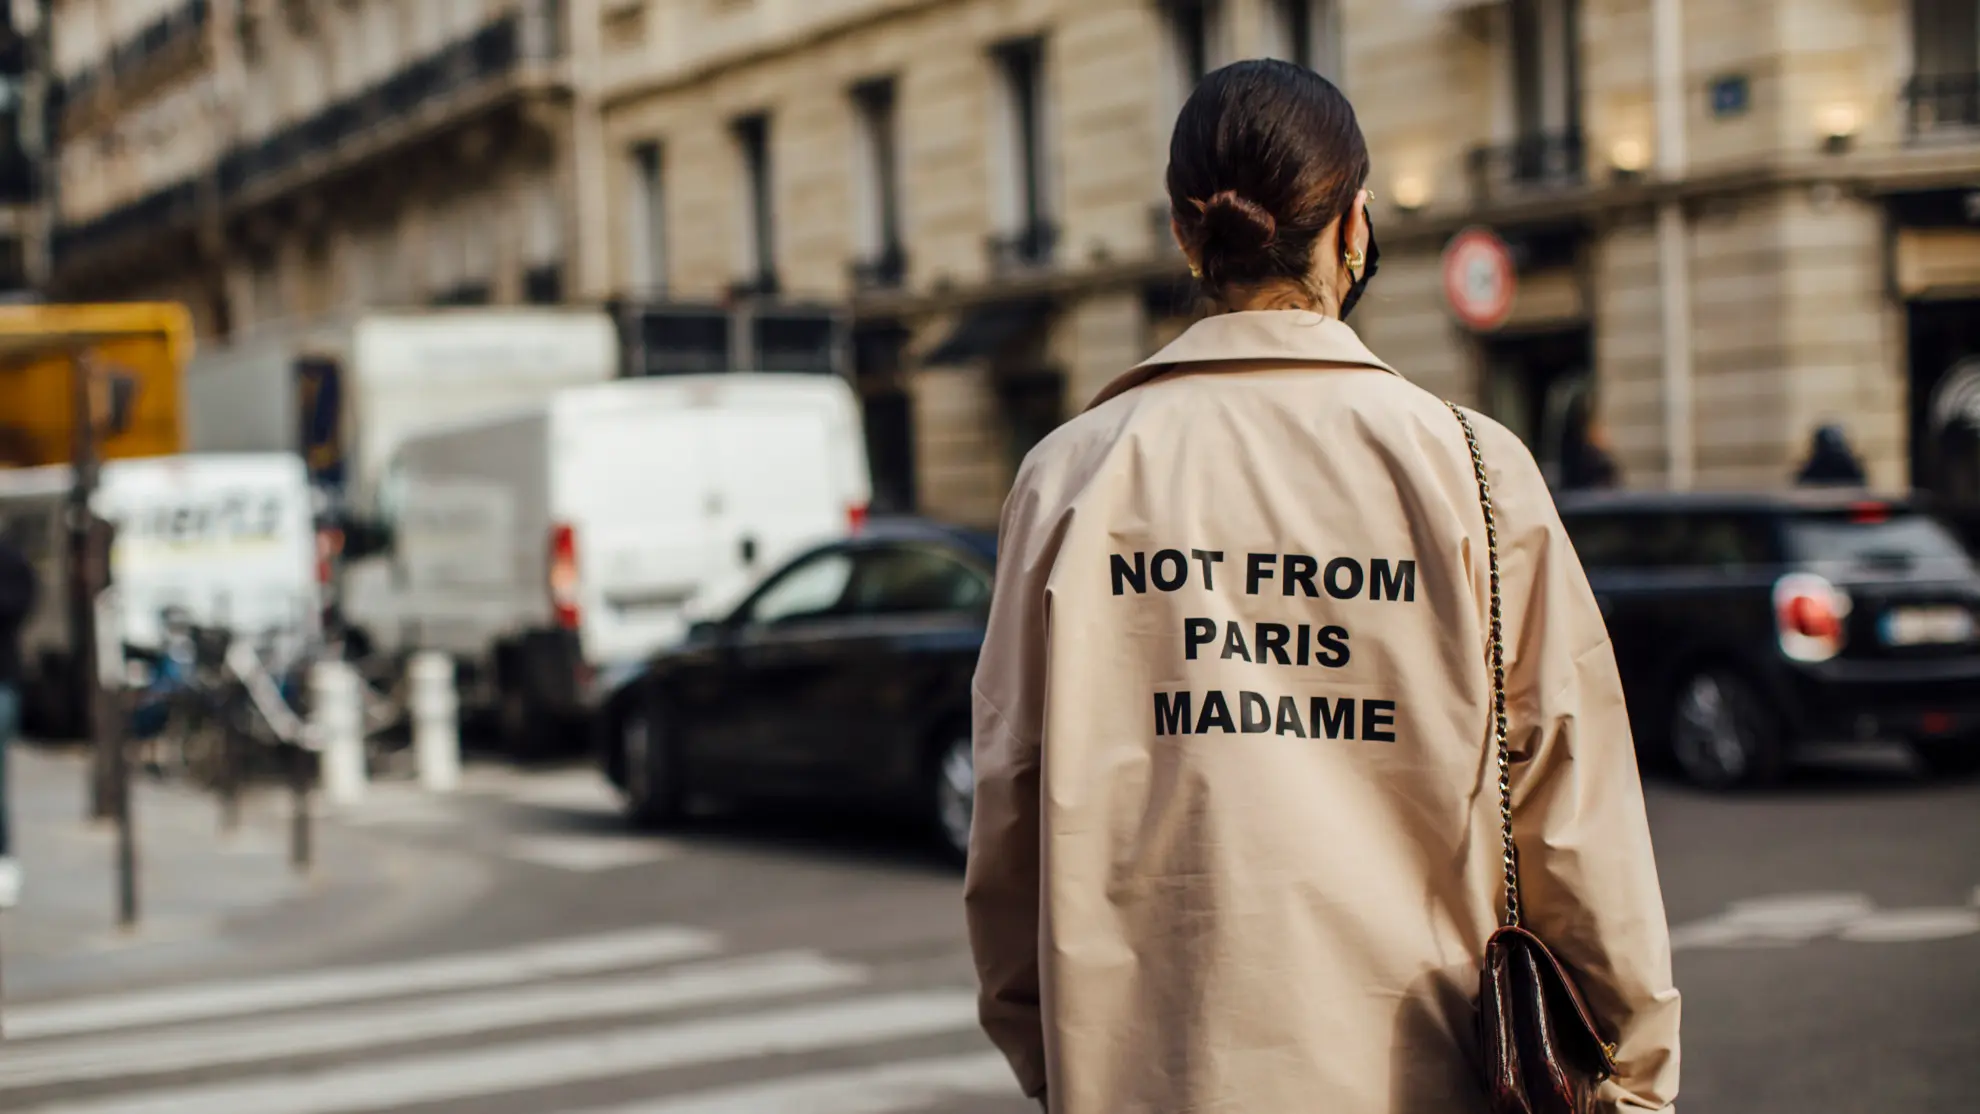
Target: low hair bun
(1234, 228)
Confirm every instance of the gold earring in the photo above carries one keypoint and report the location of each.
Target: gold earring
(1195, 271)
(1355, 262)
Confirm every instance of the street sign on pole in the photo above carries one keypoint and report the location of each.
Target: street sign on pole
(1479, 279)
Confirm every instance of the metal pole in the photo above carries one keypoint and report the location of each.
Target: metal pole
(113, 723)
(84, 583)
(299, 819)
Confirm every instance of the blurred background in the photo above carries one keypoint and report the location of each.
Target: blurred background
(621, 390)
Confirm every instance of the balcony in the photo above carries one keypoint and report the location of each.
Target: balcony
(458, 69)
(177, 34)
(1941, 103)
(1028, 248)
(1540, 162)
(456, 82)
(884, 270)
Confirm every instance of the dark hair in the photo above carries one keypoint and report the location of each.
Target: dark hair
(1265, 156)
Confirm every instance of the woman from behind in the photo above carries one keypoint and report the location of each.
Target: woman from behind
(1238, 838)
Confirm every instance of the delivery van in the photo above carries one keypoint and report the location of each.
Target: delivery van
(228, 539)
(573, 537)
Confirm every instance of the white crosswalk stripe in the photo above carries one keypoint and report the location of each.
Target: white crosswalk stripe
(520, 1025)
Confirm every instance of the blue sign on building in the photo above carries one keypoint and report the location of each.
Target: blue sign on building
(1732, 95)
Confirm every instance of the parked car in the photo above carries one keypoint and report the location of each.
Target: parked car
(1746, 625)
(844, 675)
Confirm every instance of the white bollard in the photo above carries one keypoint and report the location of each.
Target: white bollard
(435, 721)
(337, 722)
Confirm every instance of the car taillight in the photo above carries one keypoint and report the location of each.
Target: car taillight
(329, 544)
(856, 517)
(564, 575)
(1809, 612)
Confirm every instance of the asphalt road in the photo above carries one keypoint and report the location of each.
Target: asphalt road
(1828, 932)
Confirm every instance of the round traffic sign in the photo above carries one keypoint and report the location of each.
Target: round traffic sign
(1479, 280)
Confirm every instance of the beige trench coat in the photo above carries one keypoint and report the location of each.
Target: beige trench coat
(1236, 846)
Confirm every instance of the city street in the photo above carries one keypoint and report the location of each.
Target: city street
(1828, 932)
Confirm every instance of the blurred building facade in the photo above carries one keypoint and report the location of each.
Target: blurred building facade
(265, 160)
(1732, 222)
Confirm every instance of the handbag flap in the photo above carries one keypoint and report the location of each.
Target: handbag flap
(1562, 988)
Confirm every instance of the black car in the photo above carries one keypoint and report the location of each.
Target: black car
(844, 675)
(1745, 625)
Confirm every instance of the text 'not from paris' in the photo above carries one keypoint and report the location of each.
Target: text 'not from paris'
(1296, 574)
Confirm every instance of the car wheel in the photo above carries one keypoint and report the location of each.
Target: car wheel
(953, 794)
(1948, 758)
(1723, 734)
(654, 789)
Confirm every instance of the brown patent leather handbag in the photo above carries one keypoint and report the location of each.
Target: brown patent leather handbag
(1543, 1052)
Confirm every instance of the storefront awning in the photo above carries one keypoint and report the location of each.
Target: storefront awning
(985, 330)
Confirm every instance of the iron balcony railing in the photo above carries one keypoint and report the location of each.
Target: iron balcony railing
(1941, 102)
(159, 209)
(1028, 247)
(490, 54)
(184, 24)
(1540, 161)
(886, 269)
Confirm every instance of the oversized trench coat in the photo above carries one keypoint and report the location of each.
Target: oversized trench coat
(1236, 844)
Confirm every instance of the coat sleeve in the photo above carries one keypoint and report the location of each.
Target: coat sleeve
(1001, 890)
(17, 586)
(1588, 876)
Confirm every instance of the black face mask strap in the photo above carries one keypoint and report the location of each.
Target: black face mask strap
(1360, 285)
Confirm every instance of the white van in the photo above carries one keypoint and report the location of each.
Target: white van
(540, 548)
(227, 537)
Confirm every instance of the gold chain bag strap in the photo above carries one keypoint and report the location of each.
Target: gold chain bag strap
(1543, 1053)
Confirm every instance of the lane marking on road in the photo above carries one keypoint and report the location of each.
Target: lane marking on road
(886, 1089)
(584, 955)
(1790, 919)
(390, 1025)
(1902, 926)
(525, 1065)
(589, 853)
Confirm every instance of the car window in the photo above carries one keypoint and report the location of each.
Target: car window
(814, 587)
(1670, 540)
(1872, 539)
(901, 580)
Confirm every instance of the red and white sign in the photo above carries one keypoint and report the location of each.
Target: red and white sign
(1479, 280)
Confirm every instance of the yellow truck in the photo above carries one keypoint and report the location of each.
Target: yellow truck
(135, 355)
(139, 351)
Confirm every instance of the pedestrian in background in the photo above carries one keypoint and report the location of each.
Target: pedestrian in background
(17, 591)
(1831, 462)
(1237, 842)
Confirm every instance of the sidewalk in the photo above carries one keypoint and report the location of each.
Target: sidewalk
(206, 901)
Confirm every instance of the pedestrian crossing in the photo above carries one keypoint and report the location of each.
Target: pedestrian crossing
(570, 1026)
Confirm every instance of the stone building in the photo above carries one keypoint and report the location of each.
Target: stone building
(1731, 222)
(981, 180)
(266, 160)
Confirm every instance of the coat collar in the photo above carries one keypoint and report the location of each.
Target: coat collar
(1278, 336)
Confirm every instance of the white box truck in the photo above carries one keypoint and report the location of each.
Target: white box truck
(226, 537)
(347, 391)
(544, 547)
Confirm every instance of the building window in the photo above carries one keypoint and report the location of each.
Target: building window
(1543, 86)
(1023, 191)
(877, 223)
(543, 284)
(1306, 33)
(759, 229)
(1944, 91)
(1546, 74)
(647, 218)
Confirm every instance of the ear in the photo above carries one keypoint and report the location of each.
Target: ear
(1354, 229)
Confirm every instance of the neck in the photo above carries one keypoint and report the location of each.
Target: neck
(1318, 298)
